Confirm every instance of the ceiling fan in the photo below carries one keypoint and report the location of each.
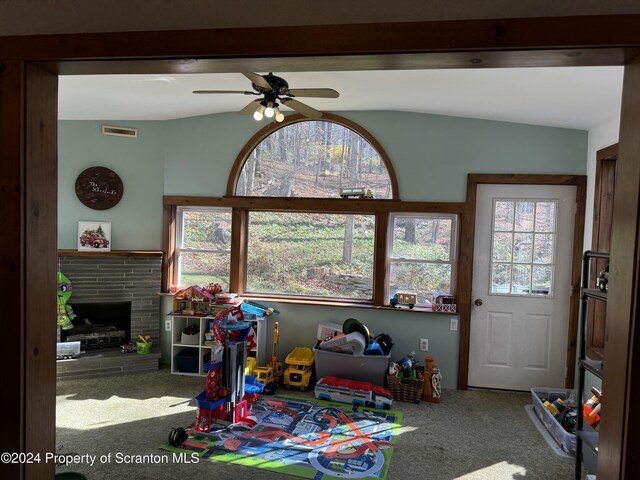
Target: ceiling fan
(274, 89)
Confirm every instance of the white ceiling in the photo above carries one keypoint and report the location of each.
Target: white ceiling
(577, 97)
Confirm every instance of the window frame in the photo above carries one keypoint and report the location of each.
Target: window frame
(240, 206)
(453, 247)
(551, 293)
(179, 249)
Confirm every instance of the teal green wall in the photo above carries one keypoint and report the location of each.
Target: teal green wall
(136, 221)
(431, 155)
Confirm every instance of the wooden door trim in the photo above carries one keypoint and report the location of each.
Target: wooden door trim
(607, 154)
(619, 440)
(506, 42)
(465, 266)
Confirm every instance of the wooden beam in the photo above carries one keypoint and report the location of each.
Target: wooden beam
(12, 275)
(320, 205)
(568, 40)
(619, 435)
(41, 225)
(381, 261)
(28, 158)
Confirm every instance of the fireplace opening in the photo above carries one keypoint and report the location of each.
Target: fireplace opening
(99, 325)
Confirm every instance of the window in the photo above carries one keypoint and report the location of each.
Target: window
(423, 255)
(203, 246)
(298, 235)
(523, 246)
(316, 254)
(313, 159)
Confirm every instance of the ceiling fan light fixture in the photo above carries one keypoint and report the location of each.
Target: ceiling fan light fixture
(279, 116)
(269, 112)
(259, 113)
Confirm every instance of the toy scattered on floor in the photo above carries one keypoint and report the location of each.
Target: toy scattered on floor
(432, 389)
(250, 366)
(271, 374)
(300, 368)
(65, 312)
(563, 410)
(177, 436)
(356, 393)
(68, 350)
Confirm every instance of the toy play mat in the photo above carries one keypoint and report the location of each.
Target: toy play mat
(307, 438)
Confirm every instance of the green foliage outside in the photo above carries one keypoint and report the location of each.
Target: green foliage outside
(304, 254)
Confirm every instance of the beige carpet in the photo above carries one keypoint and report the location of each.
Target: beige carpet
(118, 423)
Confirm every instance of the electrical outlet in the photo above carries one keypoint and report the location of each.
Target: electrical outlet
(167, 325)
(424, 344)
(453, 324)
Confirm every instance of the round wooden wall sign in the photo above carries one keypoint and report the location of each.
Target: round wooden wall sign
(99, 188)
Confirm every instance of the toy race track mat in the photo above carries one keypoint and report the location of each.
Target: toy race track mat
(306, 438)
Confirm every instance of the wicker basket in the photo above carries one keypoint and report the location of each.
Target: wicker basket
(404, 389)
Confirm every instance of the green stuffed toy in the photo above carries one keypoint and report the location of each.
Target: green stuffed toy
(65, 312)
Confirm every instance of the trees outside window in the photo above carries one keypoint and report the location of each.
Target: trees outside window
(313, 159)
(203, 246)
(422, 255)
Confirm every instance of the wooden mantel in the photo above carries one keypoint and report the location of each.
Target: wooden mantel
(112, 253)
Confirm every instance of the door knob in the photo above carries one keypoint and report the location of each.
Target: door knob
(478, 302)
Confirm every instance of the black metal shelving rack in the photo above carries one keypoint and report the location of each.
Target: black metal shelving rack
(585, 435)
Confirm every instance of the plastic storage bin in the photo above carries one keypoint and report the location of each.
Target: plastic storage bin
(188, 360)
(566, 440)
(363, 368)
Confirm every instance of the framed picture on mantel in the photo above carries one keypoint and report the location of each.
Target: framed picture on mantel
(94, 236)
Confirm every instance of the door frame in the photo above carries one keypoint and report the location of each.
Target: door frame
(465, 265)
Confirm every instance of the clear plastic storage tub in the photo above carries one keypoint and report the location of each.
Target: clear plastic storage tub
(566, 440)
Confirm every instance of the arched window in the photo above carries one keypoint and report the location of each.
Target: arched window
(292, 237)
(313, 159)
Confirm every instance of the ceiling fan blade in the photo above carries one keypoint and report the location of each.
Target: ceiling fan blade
(313, 92)
(306, 110)
(241, 92)
(258, 80)
(250, 107)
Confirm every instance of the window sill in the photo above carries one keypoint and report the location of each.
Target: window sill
(335, 303)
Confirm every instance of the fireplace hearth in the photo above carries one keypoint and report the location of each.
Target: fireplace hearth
(99, 325)
(117, 277)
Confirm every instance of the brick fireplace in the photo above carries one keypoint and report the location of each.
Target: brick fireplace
(113, 279)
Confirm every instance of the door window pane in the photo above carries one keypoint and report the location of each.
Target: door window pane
(502, 247)
(524, 216)
(543, 248)
(545, 216)
(522, 247)
(501, 278)
(503, 216)
(523, 237)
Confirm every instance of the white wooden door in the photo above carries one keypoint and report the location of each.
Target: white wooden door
(521, 286)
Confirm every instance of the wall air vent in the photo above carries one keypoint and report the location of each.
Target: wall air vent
(119, 131)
